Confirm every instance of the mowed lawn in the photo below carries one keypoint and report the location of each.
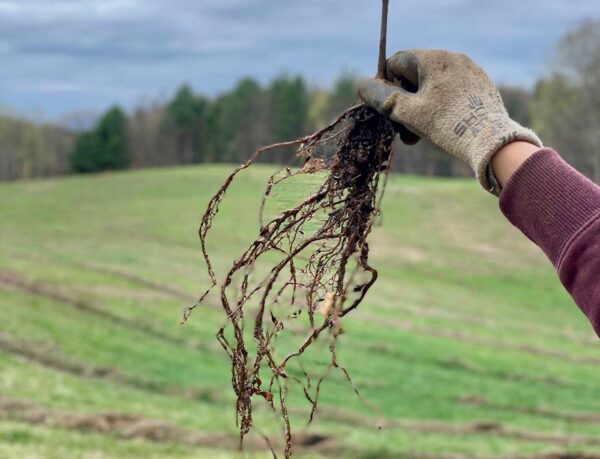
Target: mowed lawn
(466, 347)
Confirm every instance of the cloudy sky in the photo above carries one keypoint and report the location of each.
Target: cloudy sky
(60, 56)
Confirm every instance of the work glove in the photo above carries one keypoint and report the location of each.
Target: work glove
(448, 99)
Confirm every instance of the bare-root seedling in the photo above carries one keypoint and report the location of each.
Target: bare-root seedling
(322, 269)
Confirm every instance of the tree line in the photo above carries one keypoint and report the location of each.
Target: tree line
(33, 150)
(564, 108)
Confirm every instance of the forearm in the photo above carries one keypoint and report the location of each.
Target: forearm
(509, 158)
(558, 209)
(555, 206)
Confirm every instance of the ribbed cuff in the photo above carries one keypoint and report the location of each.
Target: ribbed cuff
(549, 201)
(513, 131)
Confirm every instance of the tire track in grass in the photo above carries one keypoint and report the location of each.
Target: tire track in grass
(150, 430)
(481, 427)
(462, 317)
(47, 356)
(159, 287)
(463, 366)
(499, 430)
(464, 336)
(420, 310)
(130, 426)
(127, 426)
(405, 325)
(461, 335)
(477, 400)
(13, 280)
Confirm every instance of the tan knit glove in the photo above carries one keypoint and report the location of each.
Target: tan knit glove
(448, 99)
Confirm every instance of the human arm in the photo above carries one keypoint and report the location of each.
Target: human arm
(509, 158)
(558, 209)
(448, 99)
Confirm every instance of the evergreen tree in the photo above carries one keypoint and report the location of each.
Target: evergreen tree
(238, 122)
(289, 107)
(85, 154)
(112, 138)
(104, 148)
(188, 112)
(343, 96)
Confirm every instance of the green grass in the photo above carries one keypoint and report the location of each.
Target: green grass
(465, 308)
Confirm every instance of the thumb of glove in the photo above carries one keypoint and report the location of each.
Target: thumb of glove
(394, 102)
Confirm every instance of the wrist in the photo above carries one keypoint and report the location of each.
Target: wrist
(498, 135)
(509, 158)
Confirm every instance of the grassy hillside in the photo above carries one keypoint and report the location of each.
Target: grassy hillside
(466, 347)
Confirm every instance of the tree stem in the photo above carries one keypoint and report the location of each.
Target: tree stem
(381, 64)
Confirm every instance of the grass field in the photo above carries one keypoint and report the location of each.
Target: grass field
(466, 347)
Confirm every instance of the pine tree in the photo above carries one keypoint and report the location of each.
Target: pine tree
(104, 148)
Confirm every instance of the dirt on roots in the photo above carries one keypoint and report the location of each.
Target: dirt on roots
(323, 270)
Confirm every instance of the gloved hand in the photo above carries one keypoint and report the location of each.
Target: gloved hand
(448, 99)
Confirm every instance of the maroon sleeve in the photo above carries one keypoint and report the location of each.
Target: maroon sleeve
(559, 209)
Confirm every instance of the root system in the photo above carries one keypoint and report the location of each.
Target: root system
(321, 270)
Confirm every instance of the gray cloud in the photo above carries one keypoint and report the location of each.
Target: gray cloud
(65, 55)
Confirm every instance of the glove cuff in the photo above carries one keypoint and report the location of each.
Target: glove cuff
(493, 141)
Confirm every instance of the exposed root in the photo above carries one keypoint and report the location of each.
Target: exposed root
(322, 269)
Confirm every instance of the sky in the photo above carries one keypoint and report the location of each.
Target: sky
(65, 56)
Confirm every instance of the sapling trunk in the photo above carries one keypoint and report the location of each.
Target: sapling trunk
(381, 63)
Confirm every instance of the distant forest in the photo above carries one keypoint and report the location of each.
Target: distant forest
(564, 108)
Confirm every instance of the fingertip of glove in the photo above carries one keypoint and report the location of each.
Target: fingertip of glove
(404, 65)
(375, 92)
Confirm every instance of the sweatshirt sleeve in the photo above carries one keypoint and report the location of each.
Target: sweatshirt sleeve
(559, 209)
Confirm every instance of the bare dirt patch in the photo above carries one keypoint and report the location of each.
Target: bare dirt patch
(129, 426)
(563, 456)
(499, 430)
(592, 418)
(474, 427)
